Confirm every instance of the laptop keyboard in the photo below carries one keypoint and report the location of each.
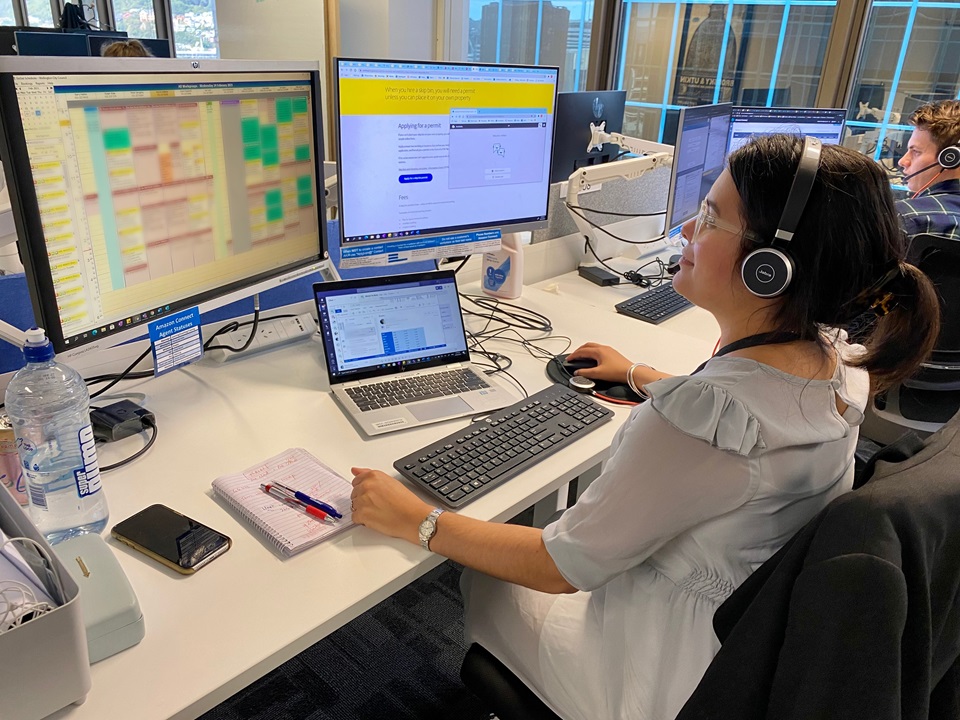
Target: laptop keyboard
(414, 388)
(466, 464)
(654, 305)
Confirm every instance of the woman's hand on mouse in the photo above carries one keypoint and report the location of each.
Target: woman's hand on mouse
(611, 365)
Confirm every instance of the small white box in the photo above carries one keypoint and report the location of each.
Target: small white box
(45, 661)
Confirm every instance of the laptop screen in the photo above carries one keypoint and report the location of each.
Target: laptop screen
(378, 326)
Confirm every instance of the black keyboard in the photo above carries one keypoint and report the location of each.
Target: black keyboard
(418, 387)
(654, 305)
(469, 462)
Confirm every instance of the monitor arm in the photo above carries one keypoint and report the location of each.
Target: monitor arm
(14, 336)
(585, 178)
(631, 144)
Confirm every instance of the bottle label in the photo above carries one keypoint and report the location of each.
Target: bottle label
(88, 477)
(495, 277)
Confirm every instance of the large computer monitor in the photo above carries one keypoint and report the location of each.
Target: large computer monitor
(142, 187)
(823, 123)
(699, 156)
(157, 47)
(575, 112)
(440, 149)
(46, 43)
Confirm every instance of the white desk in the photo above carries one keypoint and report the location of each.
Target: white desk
(211, 634)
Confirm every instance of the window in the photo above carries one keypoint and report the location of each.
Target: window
(195, 28)
(136, 17)
(910, 56)
(6, 13)
(680, 54)
(533, 32)
(39, 13)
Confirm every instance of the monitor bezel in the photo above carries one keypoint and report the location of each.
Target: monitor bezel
(672, 189)
(517, 225)
(23, 198)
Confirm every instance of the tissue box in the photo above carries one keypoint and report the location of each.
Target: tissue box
(45, 659)
(111, 613)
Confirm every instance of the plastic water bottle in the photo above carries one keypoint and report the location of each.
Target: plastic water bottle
(49, 406)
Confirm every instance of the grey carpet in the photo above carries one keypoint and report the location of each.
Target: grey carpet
(400, 660)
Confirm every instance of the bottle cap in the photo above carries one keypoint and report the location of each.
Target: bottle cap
(38, 347)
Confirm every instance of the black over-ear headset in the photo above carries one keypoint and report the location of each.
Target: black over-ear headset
(768, 270)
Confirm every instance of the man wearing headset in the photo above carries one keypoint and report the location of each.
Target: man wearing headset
(931, 168)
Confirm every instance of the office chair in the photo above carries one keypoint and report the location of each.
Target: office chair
(855, 617)
(932, 396)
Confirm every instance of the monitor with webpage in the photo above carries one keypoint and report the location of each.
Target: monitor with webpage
(143, 187)
(575, 112)
(437, 151)
(699, 156)
(823, 123)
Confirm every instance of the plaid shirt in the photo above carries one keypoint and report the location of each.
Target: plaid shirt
(936, 212)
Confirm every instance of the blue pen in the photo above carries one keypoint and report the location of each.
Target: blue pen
(303, 497)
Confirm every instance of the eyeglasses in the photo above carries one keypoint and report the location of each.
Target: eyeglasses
(705, 217)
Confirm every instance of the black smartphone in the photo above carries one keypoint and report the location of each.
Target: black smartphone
(179, 542)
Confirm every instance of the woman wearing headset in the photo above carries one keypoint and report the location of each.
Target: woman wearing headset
(607, 613)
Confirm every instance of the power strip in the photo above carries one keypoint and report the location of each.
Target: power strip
(270, 334)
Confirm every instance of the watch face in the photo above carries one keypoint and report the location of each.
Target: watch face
(425, 527)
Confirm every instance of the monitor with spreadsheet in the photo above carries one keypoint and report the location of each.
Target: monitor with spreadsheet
(436, 150)
(142, 187)
(823, 123)
(699, 156)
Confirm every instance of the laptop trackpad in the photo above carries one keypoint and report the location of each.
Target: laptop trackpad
(446, 407)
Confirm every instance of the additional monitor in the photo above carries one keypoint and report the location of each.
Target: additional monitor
(8, 36)
(45, 43)
(823, 123)
(699, 155)
(433, 149)
(157, 47)
(575, 112)
(142, 187)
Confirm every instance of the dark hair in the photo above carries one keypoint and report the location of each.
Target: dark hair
(940, 119)
(848, 240)
(126, 48)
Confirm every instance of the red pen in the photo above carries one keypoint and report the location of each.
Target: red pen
(294, 503)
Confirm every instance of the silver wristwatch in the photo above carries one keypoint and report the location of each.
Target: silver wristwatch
(428, 528)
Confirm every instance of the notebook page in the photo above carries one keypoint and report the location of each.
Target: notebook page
(298, 469)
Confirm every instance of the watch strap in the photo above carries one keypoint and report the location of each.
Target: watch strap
(431, 518)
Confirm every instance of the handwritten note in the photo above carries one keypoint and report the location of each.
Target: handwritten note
(290, 530)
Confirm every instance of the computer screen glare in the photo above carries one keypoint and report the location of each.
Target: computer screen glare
(427, 149)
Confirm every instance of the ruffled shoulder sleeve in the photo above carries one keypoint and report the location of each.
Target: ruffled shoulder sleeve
(703, 410)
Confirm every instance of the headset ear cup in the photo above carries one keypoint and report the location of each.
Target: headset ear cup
(949, 158)
(767, 272)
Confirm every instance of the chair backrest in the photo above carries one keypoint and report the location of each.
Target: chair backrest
(939, 258)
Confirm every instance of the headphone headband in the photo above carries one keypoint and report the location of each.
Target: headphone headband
(803, 181)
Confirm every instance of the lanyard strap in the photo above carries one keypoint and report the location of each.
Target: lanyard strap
(770, 338)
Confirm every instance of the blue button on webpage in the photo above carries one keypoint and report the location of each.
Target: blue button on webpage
(422, 177)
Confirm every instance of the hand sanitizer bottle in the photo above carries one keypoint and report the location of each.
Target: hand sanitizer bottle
(503, 269)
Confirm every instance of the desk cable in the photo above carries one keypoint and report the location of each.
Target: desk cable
(18, 601)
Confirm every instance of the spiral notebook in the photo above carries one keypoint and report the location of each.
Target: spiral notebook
(287, 528)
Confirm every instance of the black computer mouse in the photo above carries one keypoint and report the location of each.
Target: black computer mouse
(571, 366)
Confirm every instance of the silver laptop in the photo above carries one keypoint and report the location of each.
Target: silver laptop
(397, 355)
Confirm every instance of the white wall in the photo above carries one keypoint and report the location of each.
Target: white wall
(275, 30)
(388, 29)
